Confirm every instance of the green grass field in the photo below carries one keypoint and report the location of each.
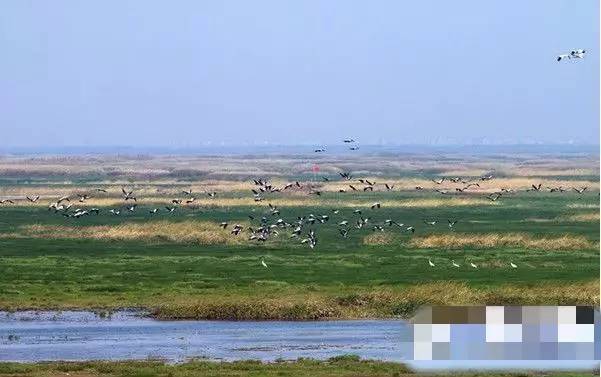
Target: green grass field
(335, 367)
(368, 274)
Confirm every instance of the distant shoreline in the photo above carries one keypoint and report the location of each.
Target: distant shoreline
(333, 150)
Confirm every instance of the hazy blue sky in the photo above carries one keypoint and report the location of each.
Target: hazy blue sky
(184, 73)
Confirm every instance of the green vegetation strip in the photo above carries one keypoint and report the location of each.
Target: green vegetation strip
(334, 367)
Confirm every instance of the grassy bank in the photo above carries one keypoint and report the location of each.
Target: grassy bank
(268, 300)
(340, 366)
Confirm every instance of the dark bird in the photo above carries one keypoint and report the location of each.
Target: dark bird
(128, 195)
(388, 187)
(348, 140)
(581, 190)
(345, 175)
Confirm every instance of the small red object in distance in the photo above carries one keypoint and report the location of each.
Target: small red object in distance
(315, 168)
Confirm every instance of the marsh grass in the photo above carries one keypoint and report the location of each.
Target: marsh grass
(498, 240)
(588, 216)
(189, 231)
(378, 238)
(378, 302)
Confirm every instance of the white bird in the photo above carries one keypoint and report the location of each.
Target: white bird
(473, 265)
(430, 263)
(455, 264)
(263, 263)
(513, 265)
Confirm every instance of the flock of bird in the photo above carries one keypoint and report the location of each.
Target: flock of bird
(574, 54)
(303, 227)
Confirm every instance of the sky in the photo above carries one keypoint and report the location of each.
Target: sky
(194, 73)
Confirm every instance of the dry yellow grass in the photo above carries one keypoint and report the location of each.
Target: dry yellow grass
(491, 240)
(294, 200)
(592, 216)
(201, 232)
(376, 302)
(378, 238)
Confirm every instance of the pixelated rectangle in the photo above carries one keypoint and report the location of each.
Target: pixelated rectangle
(507, 333)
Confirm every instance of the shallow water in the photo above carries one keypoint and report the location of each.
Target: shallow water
(44, 336)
